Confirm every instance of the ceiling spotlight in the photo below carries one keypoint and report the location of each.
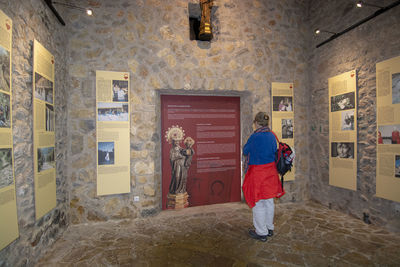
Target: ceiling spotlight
(88, 11)
(318, 31)
(357, 24)
(362, 3)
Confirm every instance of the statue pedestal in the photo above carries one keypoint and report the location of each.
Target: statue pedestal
(178, 201)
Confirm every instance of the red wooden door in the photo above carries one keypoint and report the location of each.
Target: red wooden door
(214, 124)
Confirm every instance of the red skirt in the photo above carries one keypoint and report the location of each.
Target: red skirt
(261, 182)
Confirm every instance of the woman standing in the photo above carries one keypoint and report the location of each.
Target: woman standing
(261, 184)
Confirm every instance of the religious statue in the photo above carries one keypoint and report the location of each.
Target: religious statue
(180, 160)
(205, 33)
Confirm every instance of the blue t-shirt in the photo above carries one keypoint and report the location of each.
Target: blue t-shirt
(261, 148)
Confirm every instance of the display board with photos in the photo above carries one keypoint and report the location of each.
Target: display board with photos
(44, 154)
(343, 130)
(388, 127)
(8, 206)
(283, 117)
(113, 132)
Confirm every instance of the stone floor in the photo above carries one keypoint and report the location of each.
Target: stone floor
(305, 235)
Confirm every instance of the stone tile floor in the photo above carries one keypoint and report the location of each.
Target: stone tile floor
(306, 234)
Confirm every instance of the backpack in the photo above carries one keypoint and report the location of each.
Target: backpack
(284, 158)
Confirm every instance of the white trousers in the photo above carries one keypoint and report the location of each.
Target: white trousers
(263, 216)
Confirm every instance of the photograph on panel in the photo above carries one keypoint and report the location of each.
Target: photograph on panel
(348, 120)
(43, 88)
(389, 134)
(6, 169)
(120, 91)
(46, 159)
(107, 111)
(342, 150)
(49, 118)
(287, 128)
(397, 166)
(4, 69)
(105, 153)
(282, 103)
(342, 102)
(396, 88)
(5, 110)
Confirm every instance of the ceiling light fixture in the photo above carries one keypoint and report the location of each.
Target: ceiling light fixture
(363, 3)
(51, 4)
(378, 12)
(88, 11)
(318, 31)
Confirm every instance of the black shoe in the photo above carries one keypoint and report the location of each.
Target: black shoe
(253, 234)
(270, 233)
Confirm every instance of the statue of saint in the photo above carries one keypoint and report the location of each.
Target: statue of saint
(177, 160)
(180, 159)
(205, 33)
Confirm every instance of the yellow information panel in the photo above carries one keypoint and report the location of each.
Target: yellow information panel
(283, 117)
(343, 130)
(43, 130)
(113, 132)
(388, 136)
(8, 205)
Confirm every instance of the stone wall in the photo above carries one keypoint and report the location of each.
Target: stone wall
(32, 19)
(255, 43)
(359, 49)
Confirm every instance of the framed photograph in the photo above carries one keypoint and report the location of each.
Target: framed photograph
(4, 69)
(389, 134)
(347, 120)
(5, 110)
(342, 150)
(396, 88)
(107, 111)
(43, 88)
(105, 153)
(120, 91)
(343, 102)
(46, 159)
(287, 128)
(6, 168)
(282, 103)
(397, 166)
(49, 118)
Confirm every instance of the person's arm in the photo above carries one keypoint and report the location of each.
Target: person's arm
(274, 143)
(247, 146)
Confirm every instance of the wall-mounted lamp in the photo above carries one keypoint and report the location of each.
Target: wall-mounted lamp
(362, 3)
(318, 31)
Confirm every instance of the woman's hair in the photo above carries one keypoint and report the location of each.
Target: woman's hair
(262, 119)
